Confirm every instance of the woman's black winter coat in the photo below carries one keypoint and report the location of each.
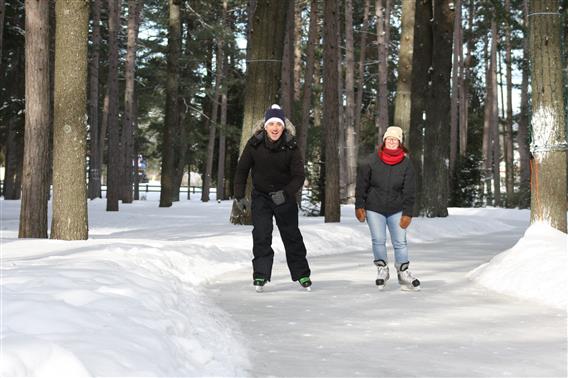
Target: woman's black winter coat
(275, 165)
(384, 188)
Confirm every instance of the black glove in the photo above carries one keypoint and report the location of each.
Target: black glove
(278, 197)
(242, 204)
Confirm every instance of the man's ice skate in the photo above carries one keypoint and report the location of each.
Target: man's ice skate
(406, 280)
(259, 284)
(382, 273)
(306, 283)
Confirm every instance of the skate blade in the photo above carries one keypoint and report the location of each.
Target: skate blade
(409, 288)
(381, 287)
(259, 289)
(309, 288)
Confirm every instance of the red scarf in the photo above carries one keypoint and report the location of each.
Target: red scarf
(391, 157)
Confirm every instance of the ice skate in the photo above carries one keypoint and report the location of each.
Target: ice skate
(306, 283)
(259, 284)
(382, 273)
(406, 280)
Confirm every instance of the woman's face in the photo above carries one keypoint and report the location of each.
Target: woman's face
(274, 130)
(391, 143)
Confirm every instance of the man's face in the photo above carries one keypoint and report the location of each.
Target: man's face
(274, 130)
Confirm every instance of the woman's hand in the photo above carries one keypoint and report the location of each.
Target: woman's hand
(405, 221)
(360, 214)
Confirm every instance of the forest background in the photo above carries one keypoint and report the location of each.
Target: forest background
(87, 88)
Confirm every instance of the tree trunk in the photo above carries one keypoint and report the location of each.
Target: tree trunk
(14, 158)
(402, 102)
(523, 132)
(421, 87)
(297, 75)
(350, 137)
(220, 194)
(69, 220)
(35, 184)
(361, 73)
(172, 112)
(508, 145)
(487, 127)
(548, 201)
(287, 88)
(466, 78)
(454, 112)
(114, 157)
(313, 35)
(129, 118)
(383, 26)
(436, 138)
(330, 113)
(222, 140)
(263, 74)
(213, 120)
(2, 13)
(15, 109)
(496, 145)
(94, 130)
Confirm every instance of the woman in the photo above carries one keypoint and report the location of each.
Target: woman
(277, 175)
(385, 198)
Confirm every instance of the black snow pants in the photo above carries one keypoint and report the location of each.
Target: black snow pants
(286, 215)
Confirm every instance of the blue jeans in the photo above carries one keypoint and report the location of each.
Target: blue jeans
(378, 224)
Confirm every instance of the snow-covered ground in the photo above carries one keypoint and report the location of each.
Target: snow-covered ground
(167, 292)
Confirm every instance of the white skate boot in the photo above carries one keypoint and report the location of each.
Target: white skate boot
(406, 280)
(382, 273)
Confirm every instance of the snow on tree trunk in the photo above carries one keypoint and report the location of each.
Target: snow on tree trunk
(69, 219)
(548, 145)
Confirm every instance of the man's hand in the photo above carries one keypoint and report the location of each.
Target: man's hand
(405, 221)
(361, 214)
(278, 197)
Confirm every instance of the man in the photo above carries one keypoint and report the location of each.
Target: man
(277, 175)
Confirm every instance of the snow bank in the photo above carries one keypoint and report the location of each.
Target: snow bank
(129, 300)
(534, 269)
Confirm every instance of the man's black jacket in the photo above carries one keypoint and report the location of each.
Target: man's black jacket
(275, 165)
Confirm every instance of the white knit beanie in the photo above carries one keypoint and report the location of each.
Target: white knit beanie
(394, 132)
